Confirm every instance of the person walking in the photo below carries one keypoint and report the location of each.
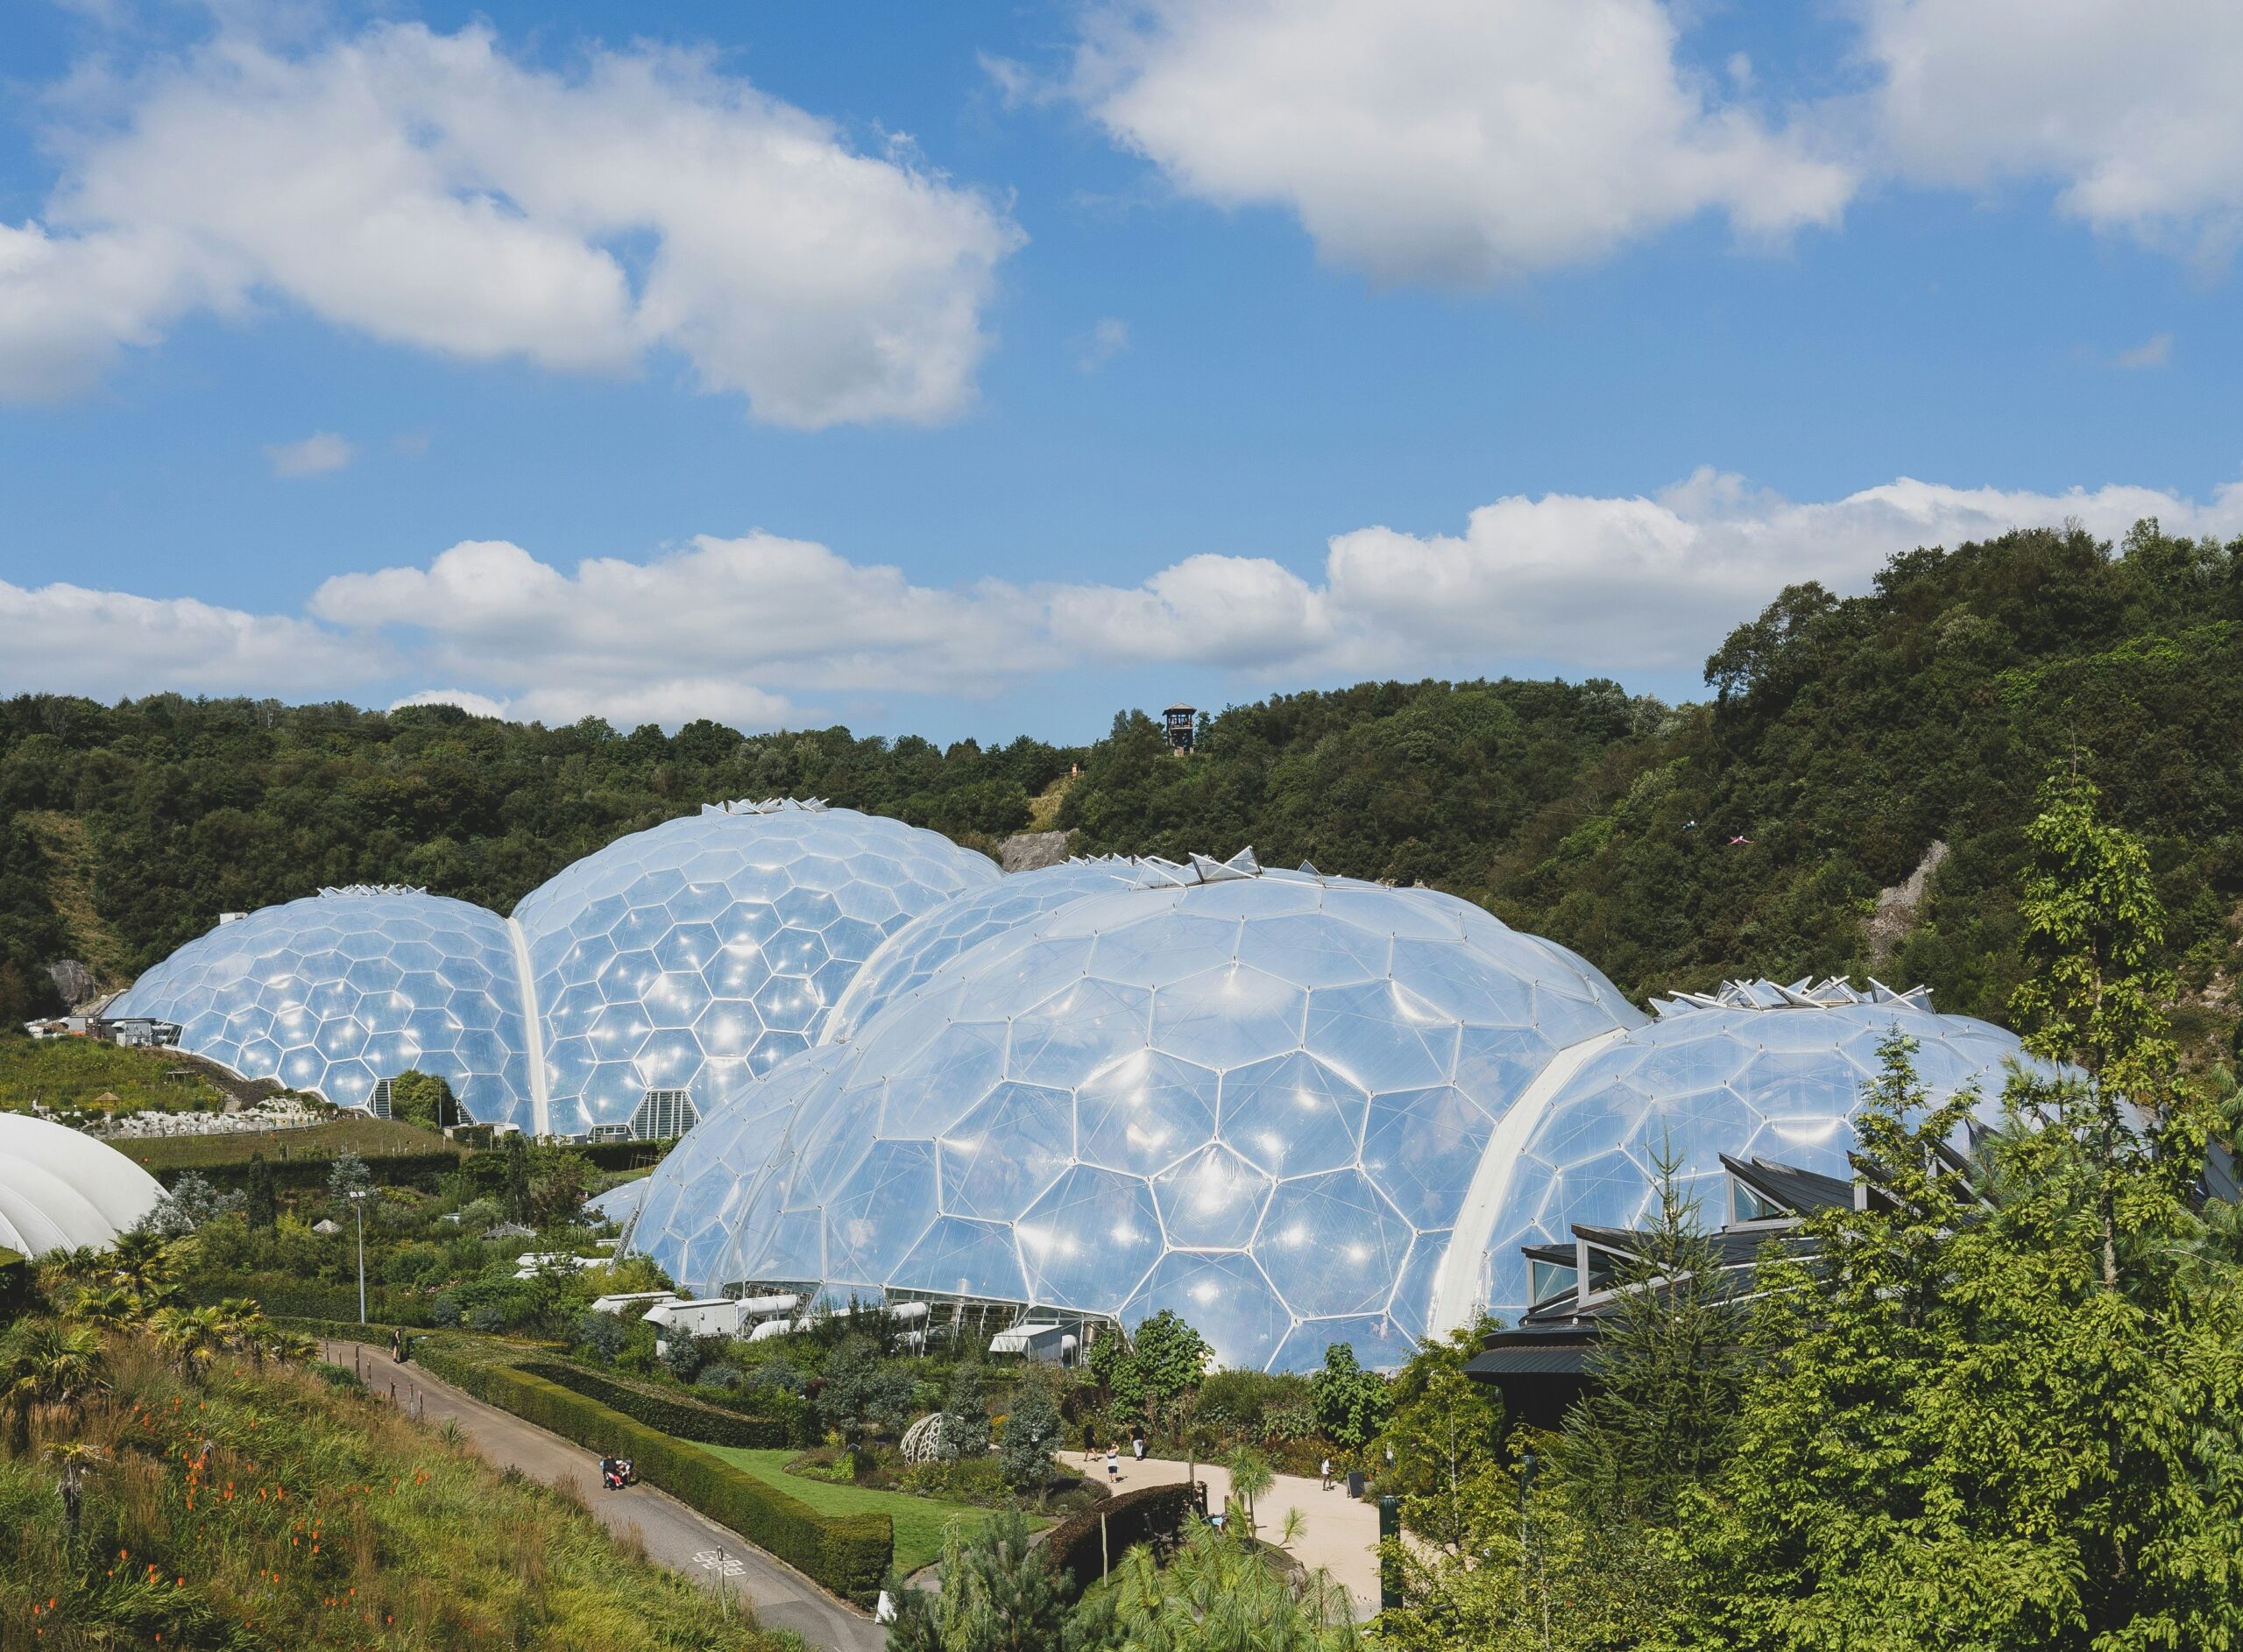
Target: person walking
(1112, 1464)
(396, 1345)
(1090, 1442)
(1137, 1446)
(1327, 1473)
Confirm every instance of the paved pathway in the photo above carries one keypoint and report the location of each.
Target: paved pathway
(1342, 1534)
(674, 1535)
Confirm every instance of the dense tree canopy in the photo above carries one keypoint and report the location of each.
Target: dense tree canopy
(1844, 737)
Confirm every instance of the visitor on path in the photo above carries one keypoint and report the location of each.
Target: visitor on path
(1112, 1466)
(1090, 1442)
(397, 1344)
(1327, 1473)
(1137, 1446)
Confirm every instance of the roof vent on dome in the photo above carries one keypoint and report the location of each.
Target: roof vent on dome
(1807, 993)
(766, 806)
(351, 890)
(1153, 872)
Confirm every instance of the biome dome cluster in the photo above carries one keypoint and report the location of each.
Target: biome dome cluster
(336, 991)
(674, 964)
(1295, 1108)
(695, 955)
(1256, 1099)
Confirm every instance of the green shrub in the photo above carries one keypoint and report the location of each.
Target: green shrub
(849, 1555)
(676, 1413)
(1154, 1513)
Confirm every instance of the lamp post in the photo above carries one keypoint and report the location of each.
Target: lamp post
(358, 1209)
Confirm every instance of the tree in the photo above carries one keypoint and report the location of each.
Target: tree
(1118, 1372)
(514, 1191)
(1219, 1593)
(2093, 930)
(1031, 1433)
(77, 1457)
(1958, 1433)
(1443, 1433)
(1351, 1402)
(861, 1391)
(1250, 1479)
(965, 1425)
(348, 1176)
(190, 1336)
(557, 1197)
(1665, 1374)
(49, 1365)
(423, 1098)
(1170, 1356)
(262, 1203)
(142, 1262)
(999, 1594)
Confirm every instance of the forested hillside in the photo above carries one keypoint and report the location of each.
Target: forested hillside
(1842, 739)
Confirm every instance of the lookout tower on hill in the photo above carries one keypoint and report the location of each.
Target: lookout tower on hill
(1182, 723)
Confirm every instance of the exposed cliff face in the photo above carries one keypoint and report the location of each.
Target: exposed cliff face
(1897, 907)
(1026, 851)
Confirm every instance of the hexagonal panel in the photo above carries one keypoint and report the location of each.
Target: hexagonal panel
(1333, 1244)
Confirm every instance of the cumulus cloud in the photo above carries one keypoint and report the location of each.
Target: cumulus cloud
(1458, 142)
(2130, 110)
(2156, 351)
(1108, 339)
(315, 455)
(428, 190)
(67, 639)
(765, 632)
(661, 635)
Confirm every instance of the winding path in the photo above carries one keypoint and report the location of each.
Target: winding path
(674, 1535)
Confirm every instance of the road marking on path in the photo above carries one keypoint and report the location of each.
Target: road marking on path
(718, 1561)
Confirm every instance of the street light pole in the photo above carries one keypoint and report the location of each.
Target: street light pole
(358, 1209)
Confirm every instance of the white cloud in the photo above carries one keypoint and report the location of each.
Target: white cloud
(2131, 109)
(763, 631)
(428, 190)
(475, 705)
(67, 639)
(661, 633)
(1108, 339)
(2156, 351)
(318, 455)
(1458, 142)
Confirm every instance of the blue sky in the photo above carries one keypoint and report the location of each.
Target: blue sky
(980, 370)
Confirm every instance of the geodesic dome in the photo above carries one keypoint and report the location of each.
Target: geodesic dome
(1756, 1070)
(335, 991)
(923, 945)
(694, 955)
(1257, 1098)
(687, 1217)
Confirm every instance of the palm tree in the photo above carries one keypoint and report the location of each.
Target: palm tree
(49, 1365)
(243, 1327)
(190, 1336)
(76, 1457)
(107, 1308)
(1250, 1476)
(145, 1265)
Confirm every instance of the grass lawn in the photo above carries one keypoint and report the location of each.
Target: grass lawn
(919, 1520)
(77, 1072)
(368, 1138)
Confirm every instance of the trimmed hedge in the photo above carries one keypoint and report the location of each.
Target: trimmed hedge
(287, 1298)
(1153, 1515)
(847, 1553)
(680, 1414)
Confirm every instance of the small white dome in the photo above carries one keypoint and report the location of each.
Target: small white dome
(60, 1189)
